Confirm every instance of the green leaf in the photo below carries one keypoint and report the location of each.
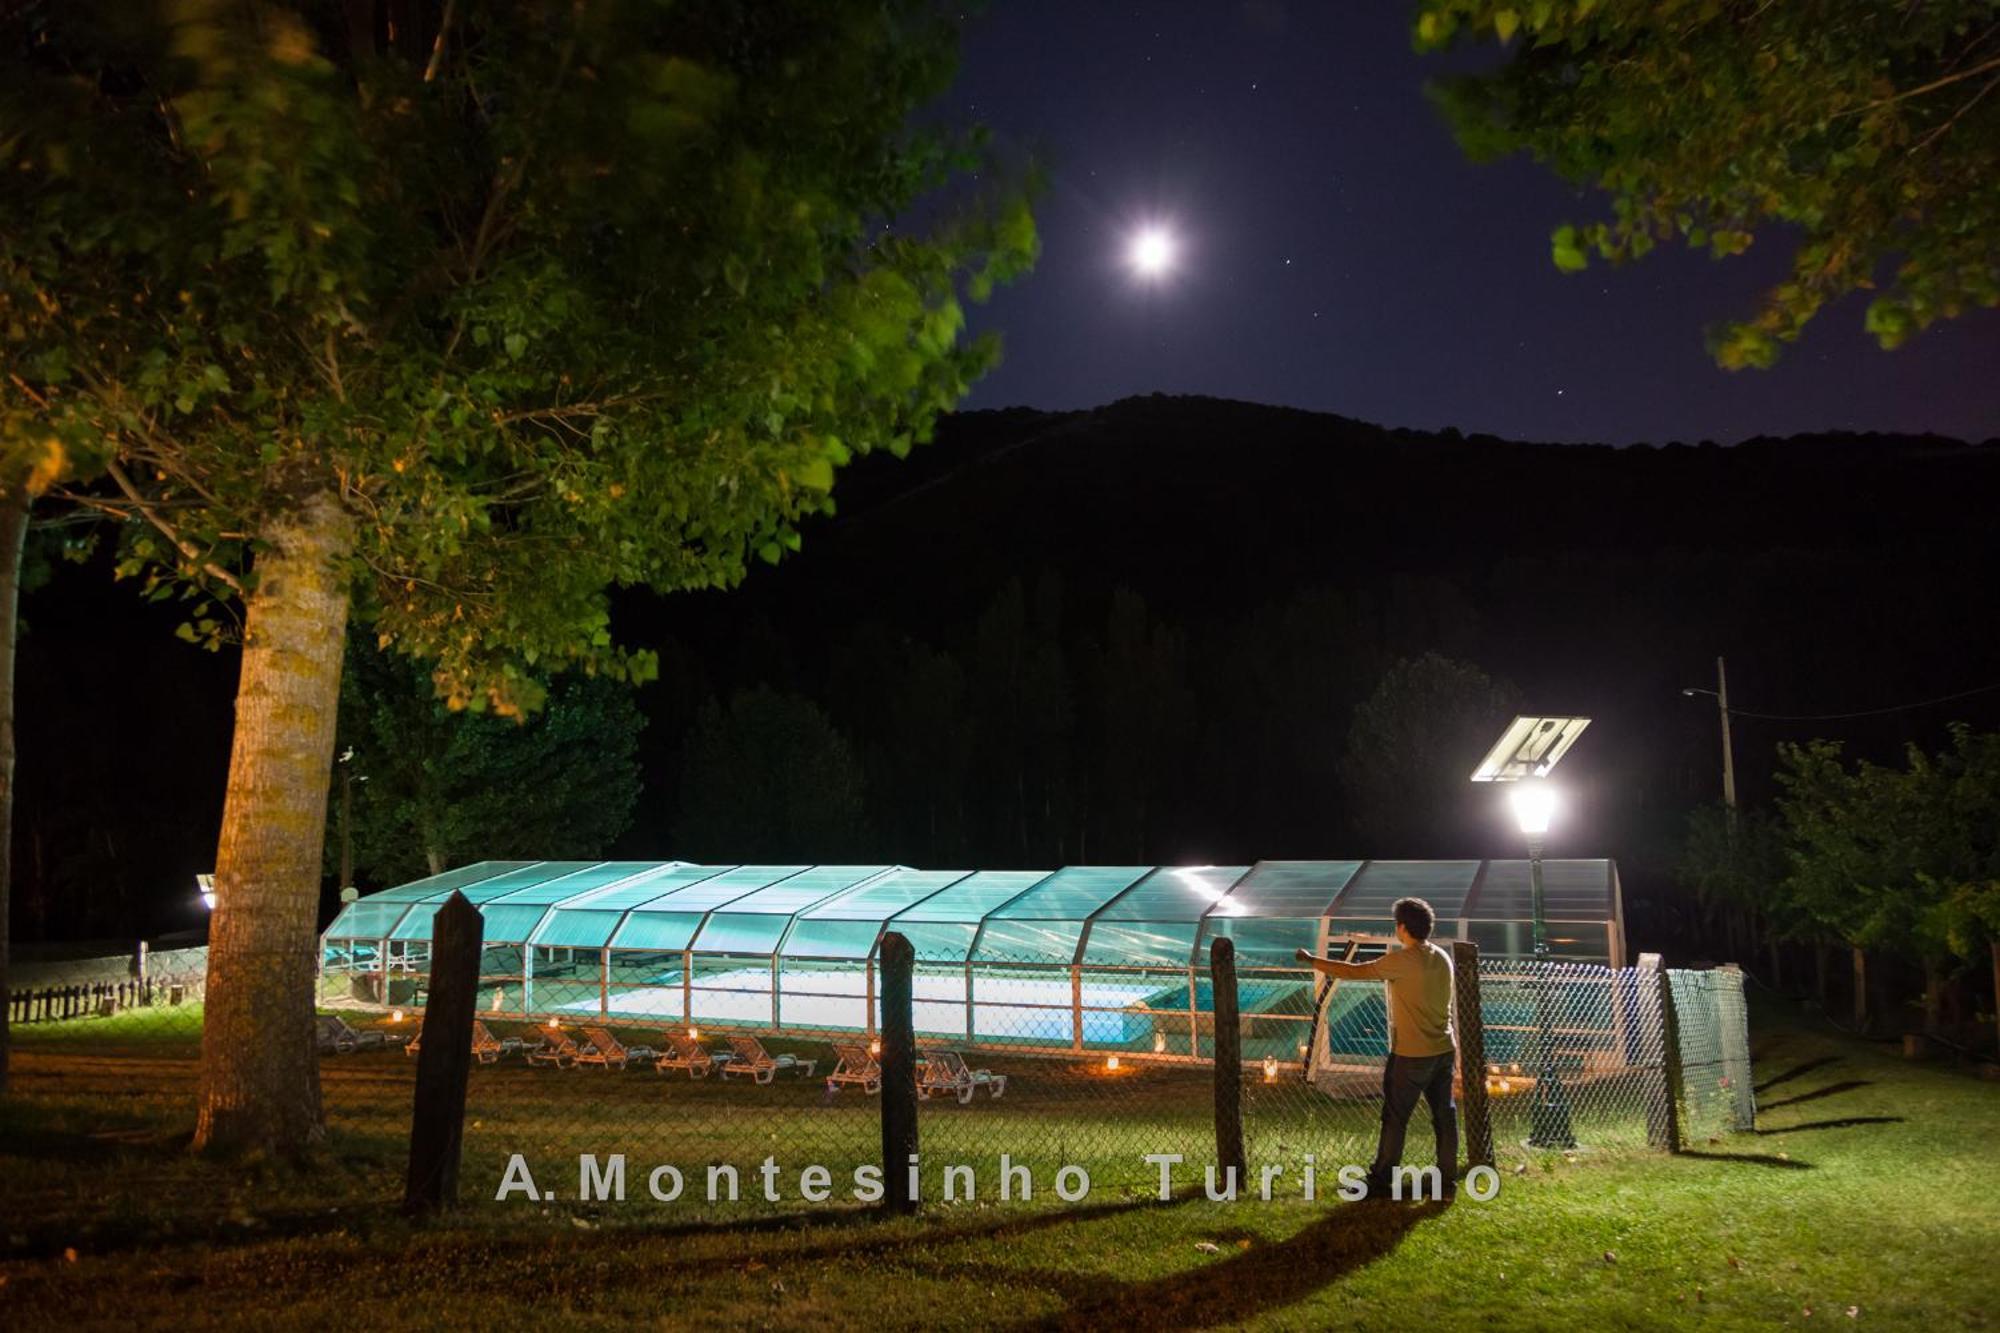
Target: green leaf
(1567, 250)
(816, 474)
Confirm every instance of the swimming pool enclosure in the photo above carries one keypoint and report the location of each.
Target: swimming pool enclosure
(1087, 958)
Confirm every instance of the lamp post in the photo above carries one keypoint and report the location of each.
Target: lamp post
(1534, 805)
(1526, 751)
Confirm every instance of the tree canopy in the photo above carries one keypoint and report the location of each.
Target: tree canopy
(1906, 859)
(431, 787)
(559, 302)
(1864, 128)
(1413, 745)
(768, 777)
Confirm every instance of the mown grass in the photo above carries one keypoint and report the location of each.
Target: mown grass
(1868, 1185)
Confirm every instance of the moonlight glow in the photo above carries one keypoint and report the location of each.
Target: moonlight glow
(1152, 252)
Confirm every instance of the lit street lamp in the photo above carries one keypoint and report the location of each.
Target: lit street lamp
(1534, 805)
(1526, 752)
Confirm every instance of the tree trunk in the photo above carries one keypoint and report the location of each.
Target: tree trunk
(1777, 961)
(1994, 946)
(434, 859)
(1933, 997)
(13, 536)
(1860, 988)
(1819, 972)
(259, 1062)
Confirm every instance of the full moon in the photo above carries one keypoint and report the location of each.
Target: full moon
(1152, 252)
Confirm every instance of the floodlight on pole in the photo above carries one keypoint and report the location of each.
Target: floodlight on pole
(205, 885)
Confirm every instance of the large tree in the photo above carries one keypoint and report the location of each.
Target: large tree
(446, 318)
(1414, 741)
(768, 777)
(421, 787)
(1901, 860)
(1866, 132)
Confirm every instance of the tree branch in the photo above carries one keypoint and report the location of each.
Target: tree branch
(437, 44)
(150, 512)
(1930, 87)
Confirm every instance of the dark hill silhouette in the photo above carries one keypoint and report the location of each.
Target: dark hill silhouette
(1203, 504)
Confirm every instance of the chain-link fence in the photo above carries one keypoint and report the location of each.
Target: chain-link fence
(697, 1072)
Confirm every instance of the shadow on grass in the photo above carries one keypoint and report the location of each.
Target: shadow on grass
(1798, 1071)
(846, 1229)
(1830, 1090)
(1751, 1158)
(1836, 1124)
(1254, 1281)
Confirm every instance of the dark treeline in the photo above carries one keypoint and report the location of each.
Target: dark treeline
(1171, 630)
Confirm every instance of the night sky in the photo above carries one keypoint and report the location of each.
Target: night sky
(1339, 253)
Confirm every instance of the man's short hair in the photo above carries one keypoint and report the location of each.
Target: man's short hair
(1415, 915)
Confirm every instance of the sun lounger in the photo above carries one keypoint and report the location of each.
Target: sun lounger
(686, 1052)
(556, 1049)
(601, 1048)
(337, 1036)
(752, 1059)
(945, 1073)
(854, 1064)
(486, 1048)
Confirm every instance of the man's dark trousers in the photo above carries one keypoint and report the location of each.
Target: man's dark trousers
(1406, 1079)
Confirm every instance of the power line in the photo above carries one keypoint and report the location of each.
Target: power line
(1865, 712)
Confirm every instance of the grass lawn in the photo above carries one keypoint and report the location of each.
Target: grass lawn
(1867, 1187)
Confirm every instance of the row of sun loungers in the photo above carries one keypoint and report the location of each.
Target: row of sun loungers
(940, 1071)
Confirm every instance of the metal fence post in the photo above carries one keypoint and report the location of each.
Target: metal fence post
(1663, 1129)
(1471, 1026)
(1228, 1062)
(899, 1072)
(437, 1124)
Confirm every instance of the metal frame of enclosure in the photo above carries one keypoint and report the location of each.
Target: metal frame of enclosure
(1087, 958)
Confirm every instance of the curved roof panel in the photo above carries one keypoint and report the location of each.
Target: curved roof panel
(1109, 916)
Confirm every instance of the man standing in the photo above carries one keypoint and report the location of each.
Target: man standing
(1422, 1048)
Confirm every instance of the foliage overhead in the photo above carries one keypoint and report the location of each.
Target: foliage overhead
(1865, 128)
(431, 787)
(581, 296)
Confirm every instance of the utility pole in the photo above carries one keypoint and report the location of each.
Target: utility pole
(1728, 751)
(346, 822)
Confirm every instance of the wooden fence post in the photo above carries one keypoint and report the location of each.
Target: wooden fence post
(1663, 1112)
(437, 1124)
(1471, 1024)
(1228, 1064)
(1732, 1021)
(1670, 1048)
(899, 1071)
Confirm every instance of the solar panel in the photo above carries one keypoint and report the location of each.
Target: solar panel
(1529, 748)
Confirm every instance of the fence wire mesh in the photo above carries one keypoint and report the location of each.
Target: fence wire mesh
(710, 1066)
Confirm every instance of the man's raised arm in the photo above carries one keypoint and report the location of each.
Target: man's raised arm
(1334, 968)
